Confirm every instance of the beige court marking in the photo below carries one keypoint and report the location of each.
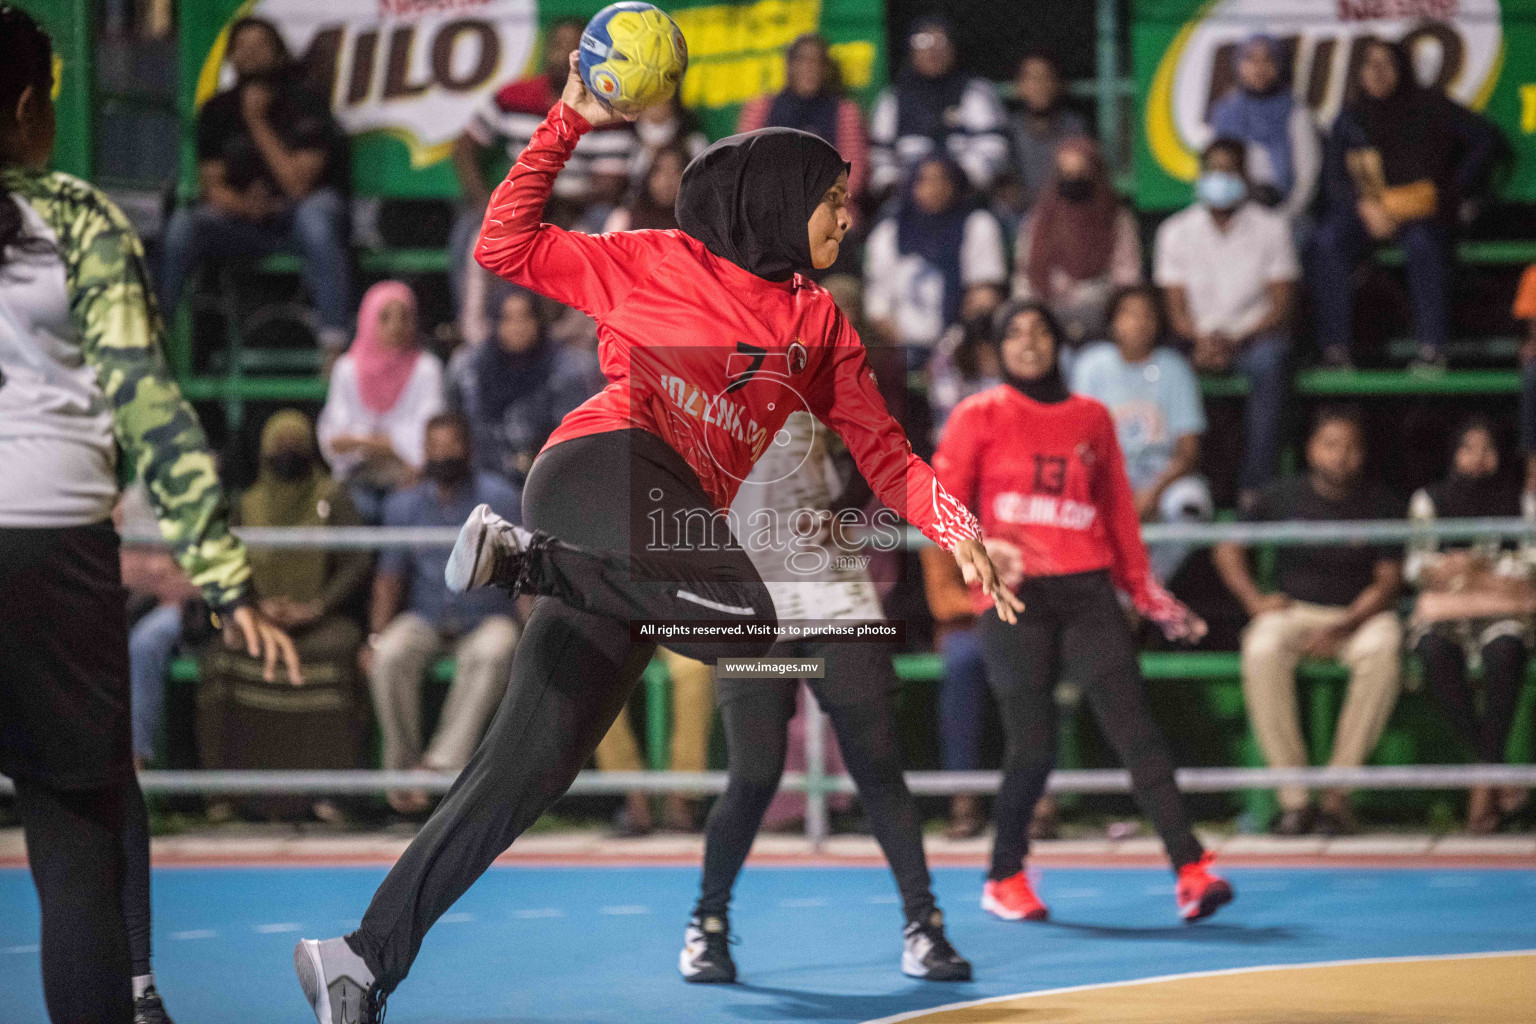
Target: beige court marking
(1485, 988)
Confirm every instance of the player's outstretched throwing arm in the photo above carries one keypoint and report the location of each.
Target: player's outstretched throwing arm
(593, 273)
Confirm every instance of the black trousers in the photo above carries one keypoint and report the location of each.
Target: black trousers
(64, 739)
(612, 500)
(1073, 628)
(856, 693)
(1445, 669)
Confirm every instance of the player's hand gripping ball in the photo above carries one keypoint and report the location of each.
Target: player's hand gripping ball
(632, 56)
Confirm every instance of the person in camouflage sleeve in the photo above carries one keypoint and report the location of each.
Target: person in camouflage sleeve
(82, 379)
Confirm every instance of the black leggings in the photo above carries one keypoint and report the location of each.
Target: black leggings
(136, 907)
(1073, 628)
(856, 694)
(575, 664)
(75, 849)
(1445, 669)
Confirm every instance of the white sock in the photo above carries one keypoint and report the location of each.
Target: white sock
(142, 983)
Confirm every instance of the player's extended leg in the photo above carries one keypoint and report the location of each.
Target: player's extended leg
(755, 714)
(571, 674)
(856, 691)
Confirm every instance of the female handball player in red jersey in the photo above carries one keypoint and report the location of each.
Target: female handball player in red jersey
(710, 339)
(1044, 470)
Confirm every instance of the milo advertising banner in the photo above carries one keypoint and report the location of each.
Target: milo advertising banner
(405, 75)
(1481, 52)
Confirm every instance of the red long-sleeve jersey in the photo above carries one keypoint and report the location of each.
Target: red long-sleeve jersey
(1049, 479)
(700, 352)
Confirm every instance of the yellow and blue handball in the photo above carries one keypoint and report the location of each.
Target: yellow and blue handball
(632, 56)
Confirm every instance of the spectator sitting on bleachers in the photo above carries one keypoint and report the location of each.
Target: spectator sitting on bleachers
(1154, 399)
(693, 716)
(1228, 270)
(382, 393)
(663, 126)
(812, 100)
(1475, 605)
(933, 108)
(964, 362)
(516, 387)
(272, 173)
(937, 259)
(1396, 167)
(158, 591)
(1077, 244)
(1040, 124)
(597, 171)
(246, 722)
(1524, 310)
(414, 618)
(1284, 151)
(963, 689)
(652, 206)
(1332, 601)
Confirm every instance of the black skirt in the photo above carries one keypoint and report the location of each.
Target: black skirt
(64, 695)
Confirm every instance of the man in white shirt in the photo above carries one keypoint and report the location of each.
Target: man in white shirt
(1228, 270)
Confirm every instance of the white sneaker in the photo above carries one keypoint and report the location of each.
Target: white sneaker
(488, 551)
(706, 956)
(927, 954)
(337, 983)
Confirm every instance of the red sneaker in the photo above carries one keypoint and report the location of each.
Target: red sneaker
(1200, 893)
(1013, 899)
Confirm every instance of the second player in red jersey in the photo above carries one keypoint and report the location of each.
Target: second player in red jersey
(1045, 471)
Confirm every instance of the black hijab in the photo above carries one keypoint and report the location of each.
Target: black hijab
(1413, 128)
(1048, 388)
(749, 197)
(1474, 497)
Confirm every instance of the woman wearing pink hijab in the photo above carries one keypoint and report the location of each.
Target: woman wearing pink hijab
(382, 393)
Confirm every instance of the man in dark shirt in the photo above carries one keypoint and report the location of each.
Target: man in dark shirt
(1333, 601)
(272, 169)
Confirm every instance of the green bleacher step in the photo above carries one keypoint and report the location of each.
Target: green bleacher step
(1381, 383)
(371, 261)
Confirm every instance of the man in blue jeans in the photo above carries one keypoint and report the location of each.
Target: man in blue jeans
(272, 170)
(1228, 270)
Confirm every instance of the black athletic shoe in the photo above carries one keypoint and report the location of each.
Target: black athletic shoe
(148, 1009)
(706, 956)
(927, 954)
(489, 552)
(337, 983)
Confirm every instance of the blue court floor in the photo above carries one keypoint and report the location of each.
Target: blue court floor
(599, 945)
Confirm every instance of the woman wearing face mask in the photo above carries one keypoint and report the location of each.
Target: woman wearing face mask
(1398, 163)
(383, 392)
(711, 337)
(245, 721)
(664, 126)
(1284, 153)
(1060, 517)
(1078, 244)
(1475, 605)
